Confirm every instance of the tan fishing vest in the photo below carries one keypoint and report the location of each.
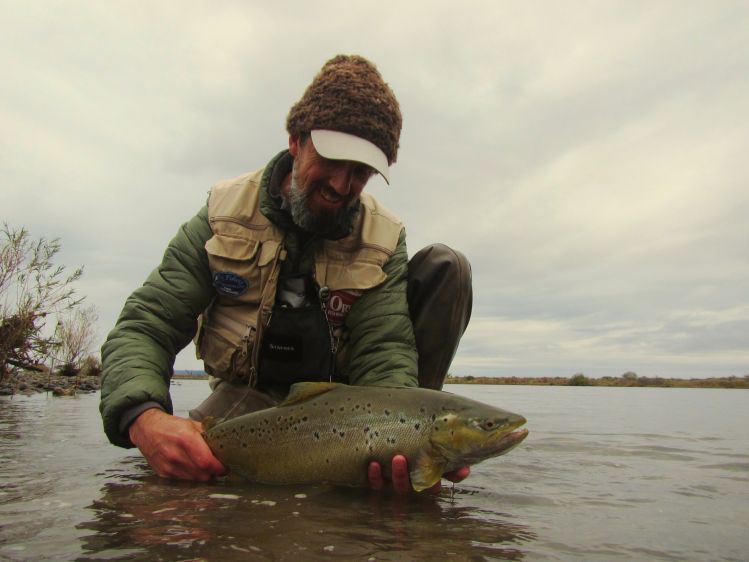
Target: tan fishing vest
(245, 255)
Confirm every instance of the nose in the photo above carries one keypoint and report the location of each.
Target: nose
(340, 178)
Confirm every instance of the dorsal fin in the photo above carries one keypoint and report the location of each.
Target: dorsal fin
(303, 391)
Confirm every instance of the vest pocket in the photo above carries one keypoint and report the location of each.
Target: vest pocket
(222, 357)
(239, 266)
(358, 276)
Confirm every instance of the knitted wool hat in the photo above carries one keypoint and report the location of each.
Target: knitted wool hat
(350, 96)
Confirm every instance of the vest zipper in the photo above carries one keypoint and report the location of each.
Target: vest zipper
(324, 294)
(272, 283)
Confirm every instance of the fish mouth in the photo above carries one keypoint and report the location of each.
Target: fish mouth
(511, 440)
(503, 443)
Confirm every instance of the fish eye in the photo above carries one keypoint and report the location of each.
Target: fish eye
(488, 425)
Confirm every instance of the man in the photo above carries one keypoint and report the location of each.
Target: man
(289, 274)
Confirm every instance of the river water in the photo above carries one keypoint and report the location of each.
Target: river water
(606, 474)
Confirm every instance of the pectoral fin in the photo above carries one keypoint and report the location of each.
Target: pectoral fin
(425, 472)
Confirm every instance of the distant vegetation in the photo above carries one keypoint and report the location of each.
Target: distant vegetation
(579, 379)
(627, 379)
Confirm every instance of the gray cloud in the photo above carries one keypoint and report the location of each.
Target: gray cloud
(589, 161)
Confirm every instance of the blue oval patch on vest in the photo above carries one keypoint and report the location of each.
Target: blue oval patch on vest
(230, 283)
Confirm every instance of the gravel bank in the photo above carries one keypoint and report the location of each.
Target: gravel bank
(29, 382)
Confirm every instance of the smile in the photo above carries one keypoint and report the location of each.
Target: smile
(330, 196)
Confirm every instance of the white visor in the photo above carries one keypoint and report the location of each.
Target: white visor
(342, 146)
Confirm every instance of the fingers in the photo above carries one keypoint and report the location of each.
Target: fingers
(401, 480)
(174, 447)
(399, 475)
(457, 475)
(204, 457)
(374, 474)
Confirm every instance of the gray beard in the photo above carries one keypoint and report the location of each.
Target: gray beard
(333, 226)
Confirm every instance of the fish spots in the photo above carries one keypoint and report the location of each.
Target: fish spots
(417, 426)
(332, 411)
(387, 413)
(317, 435)
(402, 419)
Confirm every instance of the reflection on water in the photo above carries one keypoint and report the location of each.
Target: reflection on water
(606, 474)
(229, 521)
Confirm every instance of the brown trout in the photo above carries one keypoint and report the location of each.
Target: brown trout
(327, 432)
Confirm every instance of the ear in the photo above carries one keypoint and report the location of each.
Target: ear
(294, 145)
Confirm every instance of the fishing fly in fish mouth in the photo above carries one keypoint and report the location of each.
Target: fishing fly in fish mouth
(332, 431)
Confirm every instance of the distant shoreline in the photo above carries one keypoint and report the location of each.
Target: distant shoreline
(189, 377)
(28, 382)
(628, 380)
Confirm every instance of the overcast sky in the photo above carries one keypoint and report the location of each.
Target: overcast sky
(590, 158)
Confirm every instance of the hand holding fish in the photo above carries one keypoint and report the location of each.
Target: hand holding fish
(401, 480)
(174, 446)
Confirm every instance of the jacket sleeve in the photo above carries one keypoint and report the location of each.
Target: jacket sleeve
(382, 343)
(157, 321)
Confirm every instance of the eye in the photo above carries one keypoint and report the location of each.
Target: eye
(488, 425)
(363, 172)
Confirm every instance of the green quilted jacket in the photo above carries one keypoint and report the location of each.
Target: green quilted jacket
(160, 318)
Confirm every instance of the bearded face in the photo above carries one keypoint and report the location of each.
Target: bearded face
(324, 194)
